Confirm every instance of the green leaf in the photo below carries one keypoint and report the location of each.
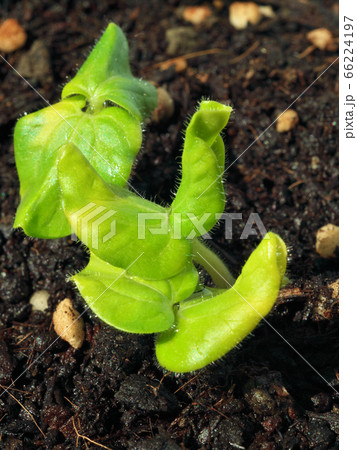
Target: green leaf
(140, 238)
(109, 139)
(131, 303)
(106, 75)
(207, 328)
(201, 193)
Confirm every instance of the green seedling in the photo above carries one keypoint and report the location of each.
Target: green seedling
(74, 161)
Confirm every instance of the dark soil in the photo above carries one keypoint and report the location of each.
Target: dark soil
(112, 392)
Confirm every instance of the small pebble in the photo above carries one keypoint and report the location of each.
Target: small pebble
(241, 13)
(12, 36)
(197, 14)
(165, 107)
(327, 240)
(335, 286)
(39, 300)
(267, 11)
(288, 120)
(260, 401)
(67, 323)
(315, 162)
(321, 38)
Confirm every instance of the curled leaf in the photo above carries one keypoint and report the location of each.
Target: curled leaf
(207, 328)
(106, 75)
(200, 196)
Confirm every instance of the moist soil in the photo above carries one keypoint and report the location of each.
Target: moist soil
(112, 393)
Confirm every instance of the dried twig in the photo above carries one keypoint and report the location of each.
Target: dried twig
(211, 408)
(25, 409)
(68, 400)
(246, 53)
(306, 52)
(291, 187)
(23, 338)
(187, 382)
(85, 437)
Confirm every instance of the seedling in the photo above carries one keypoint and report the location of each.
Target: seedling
(74, 160)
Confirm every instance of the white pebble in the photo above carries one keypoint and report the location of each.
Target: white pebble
(39, 300)
(242, 13)
(321, 38)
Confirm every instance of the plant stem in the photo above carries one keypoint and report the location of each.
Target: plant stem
(216, 268)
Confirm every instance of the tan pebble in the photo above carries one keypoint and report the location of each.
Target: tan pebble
(39, 300)
(250, 74)
(68, 324)
(197, 14)
(267, 11)
(327, 240)
(242, 13)
(321, 38)
(315, 162)
(12, 36)
(335, 286)
(165, 106)
(286, 121)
